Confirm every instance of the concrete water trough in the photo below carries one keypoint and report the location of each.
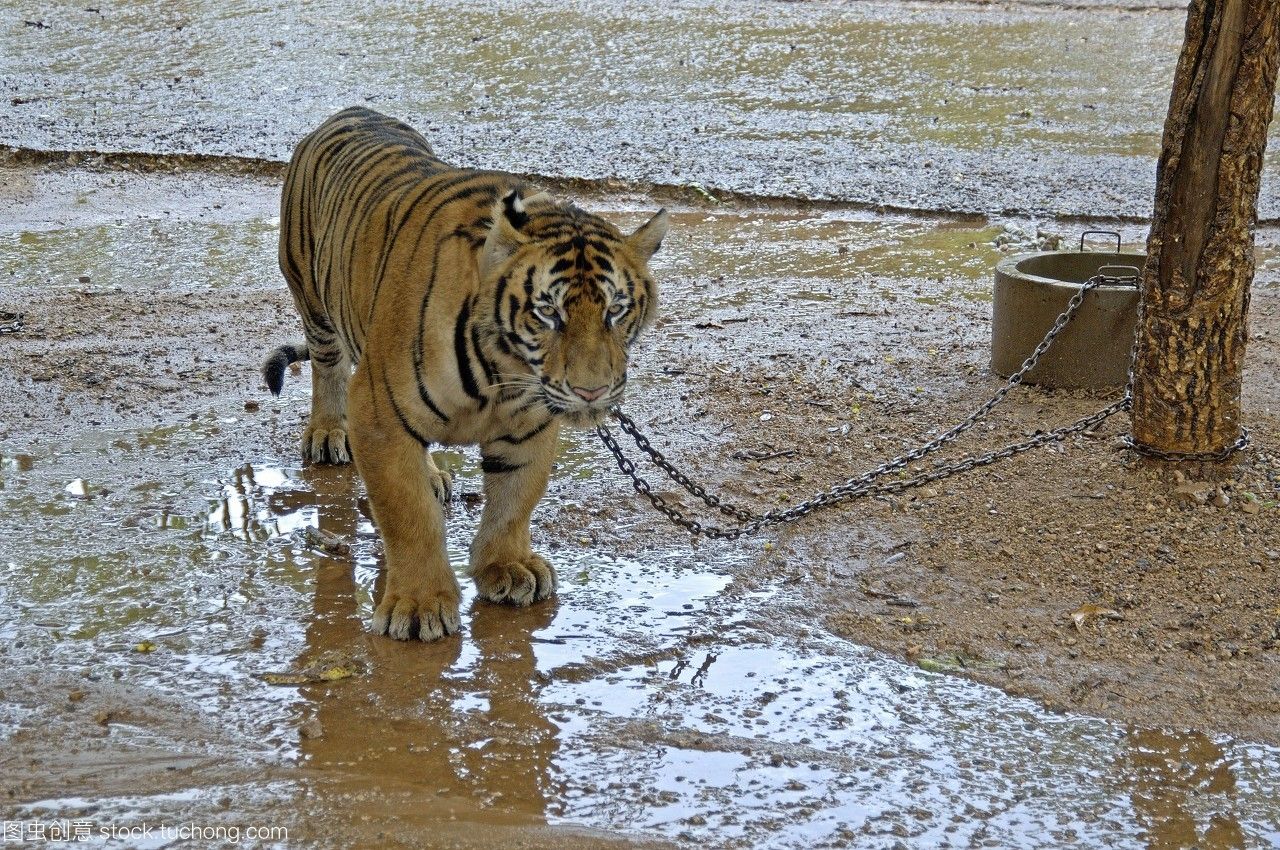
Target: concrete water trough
(1093, 350)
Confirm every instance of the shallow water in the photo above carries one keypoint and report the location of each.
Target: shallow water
(675, 693)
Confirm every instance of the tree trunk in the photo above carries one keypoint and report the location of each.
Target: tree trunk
(1195, 288)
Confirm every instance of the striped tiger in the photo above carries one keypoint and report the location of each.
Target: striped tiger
(473, 312)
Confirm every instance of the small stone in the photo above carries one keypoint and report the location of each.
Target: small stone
(1249, 507)
(1192, 493)
(311, 729)
(251, 406)
(1220, 499)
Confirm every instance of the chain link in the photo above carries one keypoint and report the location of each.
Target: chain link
(867, 484)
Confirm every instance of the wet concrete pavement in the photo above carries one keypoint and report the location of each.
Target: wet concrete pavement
(1024, 109)
(162, 580)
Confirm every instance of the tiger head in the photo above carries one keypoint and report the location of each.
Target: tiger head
(570, 295)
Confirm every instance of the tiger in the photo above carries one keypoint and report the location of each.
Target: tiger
(450, 306)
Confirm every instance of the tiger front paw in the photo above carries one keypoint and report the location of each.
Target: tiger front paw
(326, 442)
(517, 581)
(425, 614)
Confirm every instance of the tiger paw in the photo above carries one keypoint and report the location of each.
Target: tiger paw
(519, 581)
(442, 487)
(422, 615)
(326, 442)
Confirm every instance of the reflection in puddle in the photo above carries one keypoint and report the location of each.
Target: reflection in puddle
(1183, 791)
(260, 503)
(843, 250)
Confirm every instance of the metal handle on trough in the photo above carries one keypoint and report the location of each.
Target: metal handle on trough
(1111, 275)
(1113, 234)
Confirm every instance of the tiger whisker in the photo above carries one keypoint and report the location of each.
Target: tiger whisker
(502, 386)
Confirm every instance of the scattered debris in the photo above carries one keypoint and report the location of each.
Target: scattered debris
(767, 453)
(326, 542)
(1027, 237)
(329, 667)
(1090, 613)
(703, 193)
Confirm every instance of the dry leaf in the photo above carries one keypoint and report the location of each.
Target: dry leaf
(1090, 612)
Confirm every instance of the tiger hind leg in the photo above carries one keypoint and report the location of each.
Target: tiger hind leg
(325, 438)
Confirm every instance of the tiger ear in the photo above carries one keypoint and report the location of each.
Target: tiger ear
(504, 238)
(646, 241)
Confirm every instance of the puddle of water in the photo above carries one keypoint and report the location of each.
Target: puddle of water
(799, 250)
(723, 261)
(192, 255)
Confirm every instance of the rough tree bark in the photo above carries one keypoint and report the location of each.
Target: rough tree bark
(1187, 376)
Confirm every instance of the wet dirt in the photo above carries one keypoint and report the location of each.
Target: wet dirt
(156, 558)
(1021, 109)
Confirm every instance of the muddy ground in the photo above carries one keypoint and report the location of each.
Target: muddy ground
(835, 340)
(977, 574)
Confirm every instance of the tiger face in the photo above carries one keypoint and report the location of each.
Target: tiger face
(571, 295)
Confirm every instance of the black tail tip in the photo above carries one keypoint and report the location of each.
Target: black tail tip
(279, 360)
(273, 371)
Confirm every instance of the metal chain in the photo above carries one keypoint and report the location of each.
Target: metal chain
(1160, 454)
(865, 484)
(1241, 442)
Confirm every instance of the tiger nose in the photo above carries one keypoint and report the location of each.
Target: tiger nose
(590, 394)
